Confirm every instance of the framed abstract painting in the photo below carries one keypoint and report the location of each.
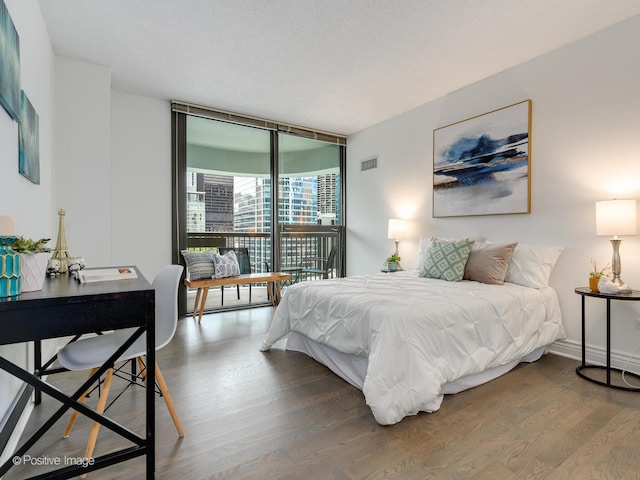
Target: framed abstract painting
(9, 64)
(29, 141)
(481, 165)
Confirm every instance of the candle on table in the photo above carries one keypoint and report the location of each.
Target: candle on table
(7, 226)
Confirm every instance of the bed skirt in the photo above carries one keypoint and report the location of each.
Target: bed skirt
(353, 368)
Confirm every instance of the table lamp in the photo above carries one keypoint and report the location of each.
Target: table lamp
(615, 218)
(397, 230)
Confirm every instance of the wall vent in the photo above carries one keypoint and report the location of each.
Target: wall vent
(368, 164)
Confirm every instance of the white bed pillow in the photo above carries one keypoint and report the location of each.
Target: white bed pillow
(531, 265)
(423, 251)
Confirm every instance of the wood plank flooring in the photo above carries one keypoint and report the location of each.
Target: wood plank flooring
(280, 415)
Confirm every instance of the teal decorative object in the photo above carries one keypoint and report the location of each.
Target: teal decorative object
(9, 268)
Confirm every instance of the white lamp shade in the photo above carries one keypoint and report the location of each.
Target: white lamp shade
(616, 217)
(397, 228)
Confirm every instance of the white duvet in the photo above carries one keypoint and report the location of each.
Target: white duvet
(418, 333)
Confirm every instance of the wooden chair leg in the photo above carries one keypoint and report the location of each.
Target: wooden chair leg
(95, 428)
(74, 414)
(143, 370)
(168, 401)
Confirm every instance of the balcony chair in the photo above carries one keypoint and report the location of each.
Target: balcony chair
(319, 265)
(242, 254)
(90, 353)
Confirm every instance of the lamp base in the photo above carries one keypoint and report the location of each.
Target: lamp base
(616, 267)
(617, 281)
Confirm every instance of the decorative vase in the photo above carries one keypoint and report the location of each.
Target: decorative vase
(9, 268)
(392, 266)
(593, 284)
(33, 270)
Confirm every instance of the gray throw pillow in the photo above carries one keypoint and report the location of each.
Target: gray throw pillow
(199, 264)
(488, 262)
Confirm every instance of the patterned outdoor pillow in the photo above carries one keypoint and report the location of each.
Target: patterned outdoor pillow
(446, 260)
(226, 265)
(199, 264)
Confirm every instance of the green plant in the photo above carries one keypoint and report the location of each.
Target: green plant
(30, 247)
(393, 258)
(599, 273)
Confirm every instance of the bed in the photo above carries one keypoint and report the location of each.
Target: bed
(406, 340)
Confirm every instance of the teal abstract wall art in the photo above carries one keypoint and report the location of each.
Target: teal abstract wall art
(9, 64)
(29, 141)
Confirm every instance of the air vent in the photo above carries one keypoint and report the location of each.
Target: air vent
(368, 164)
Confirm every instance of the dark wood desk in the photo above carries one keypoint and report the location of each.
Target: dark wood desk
(65, 307)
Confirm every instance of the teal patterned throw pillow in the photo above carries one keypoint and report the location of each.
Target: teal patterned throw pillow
(446, 260)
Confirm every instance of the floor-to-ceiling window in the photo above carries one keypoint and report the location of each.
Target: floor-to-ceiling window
(228, 173)
(309, 207)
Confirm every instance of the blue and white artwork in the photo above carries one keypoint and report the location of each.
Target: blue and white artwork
(29, 141)
(481, 165)
(9, 64)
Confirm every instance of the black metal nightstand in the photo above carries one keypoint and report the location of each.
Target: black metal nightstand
(584, 292)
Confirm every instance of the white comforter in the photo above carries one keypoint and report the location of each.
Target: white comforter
(418, 333)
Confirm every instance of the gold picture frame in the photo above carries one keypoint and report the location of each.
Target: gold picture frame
(481, 165)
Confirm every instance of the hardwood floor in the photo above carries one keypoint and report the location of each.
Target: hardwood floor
(280, 415)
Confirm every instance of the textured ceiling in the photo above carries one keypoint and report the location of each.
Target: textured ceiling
(333, 65)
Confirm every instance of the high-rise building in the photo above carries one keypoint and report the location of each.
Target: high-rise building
(218, 197)
(222, 203)
(327, 198)
(195, 205)
(249, 208)
(298, 203)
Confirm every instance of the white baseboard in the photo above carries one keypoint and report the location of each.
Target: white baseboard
(13, 443)
(50, 349)
(595, 355)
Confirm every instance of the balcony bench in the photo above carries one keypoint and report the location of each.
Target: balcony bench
(272, 279)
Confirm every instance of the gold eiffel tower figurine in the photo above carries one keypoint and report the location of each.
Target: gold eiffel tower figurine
(61, 252)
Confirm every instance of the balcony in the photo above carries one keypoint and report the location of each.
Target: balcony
(300, 246)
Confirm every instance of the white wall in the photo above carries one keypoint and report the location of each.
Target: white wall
(83, 158)
(113, 170)
(141, 182)
(585, 147)
(31, 204)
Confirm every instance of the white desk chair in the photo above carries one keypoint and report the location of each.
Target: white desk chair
(90, 353)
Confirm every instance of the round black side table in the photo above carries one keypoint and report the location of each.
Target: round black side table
(584, 292)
